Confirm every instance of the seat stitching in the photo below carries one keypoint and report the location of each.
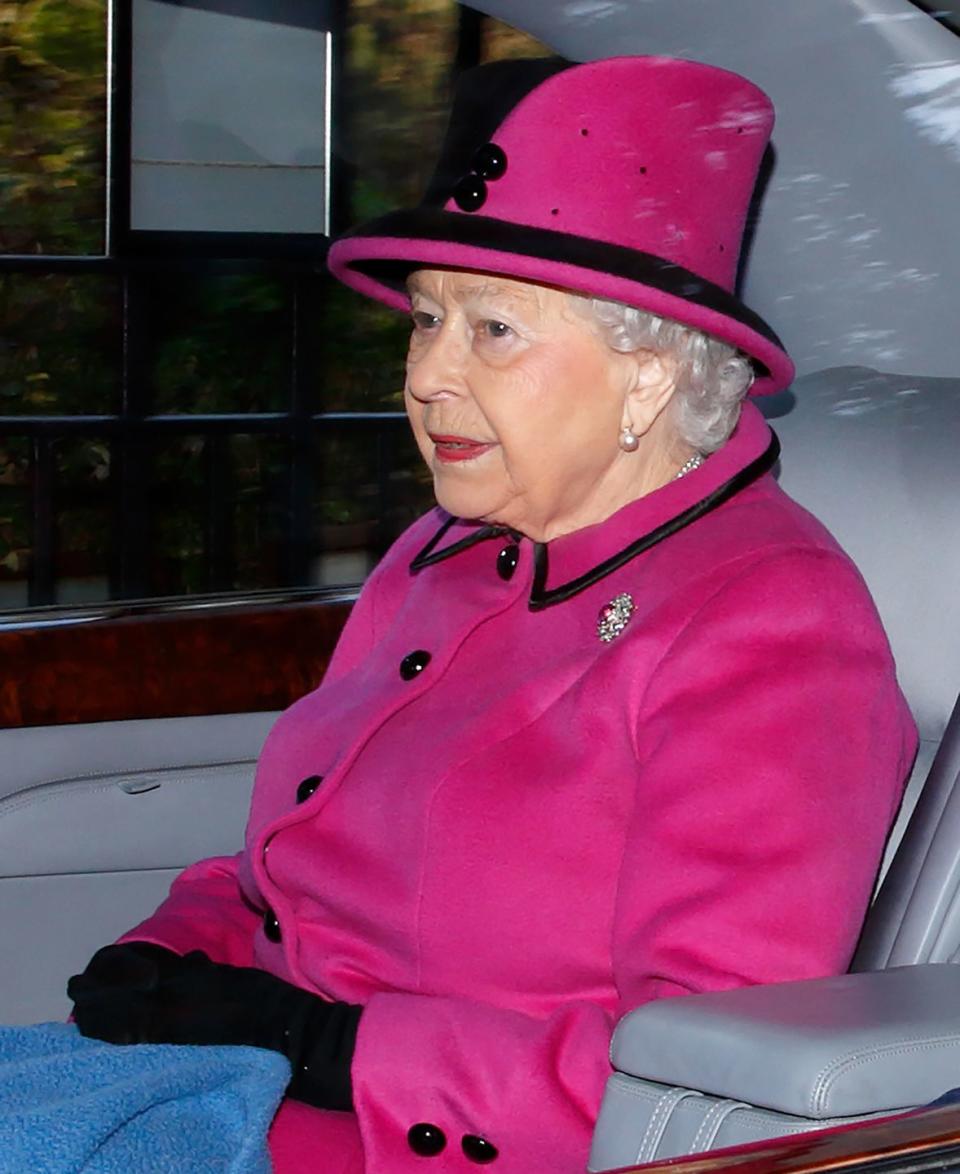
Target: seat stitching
(835, 1068)
(665, 1107)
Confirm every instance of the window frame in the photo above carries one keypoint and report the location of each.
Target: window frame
(133, 258)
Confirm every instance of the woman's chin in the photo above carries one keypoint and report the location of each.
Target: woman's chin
(461, 503)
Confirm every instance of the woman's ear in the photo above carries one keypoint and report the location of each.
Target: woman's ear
(653, 383)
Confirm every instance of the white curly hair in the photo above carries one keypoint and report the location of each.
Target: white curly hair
(712, 376)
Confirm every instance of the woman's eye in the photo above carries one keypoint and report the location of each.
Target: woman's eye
(495, 329)
(424, 321)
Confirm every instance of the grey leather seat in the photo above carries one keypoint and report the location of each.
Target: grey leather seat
(95, 822)
(915, 917)
(873, 455)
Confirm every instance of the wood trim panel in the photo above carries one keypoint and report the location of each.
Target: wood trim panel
(907, 1136)
(233, 660)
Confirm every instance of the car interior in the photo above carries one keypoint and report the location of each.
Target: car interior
(98, 817)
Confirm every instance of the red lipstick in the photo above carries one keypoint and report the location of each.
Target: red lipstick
(457, 448)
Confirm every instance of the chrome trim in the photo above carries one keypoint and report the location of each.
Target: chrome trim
(327, 129)
(108, 210)
(56, 615)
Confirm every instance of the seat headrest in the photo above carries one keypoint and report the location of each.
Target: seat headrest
(875, 457)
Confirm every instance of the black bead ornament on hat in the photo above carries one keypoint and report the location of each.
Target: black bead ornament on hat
(490, 162)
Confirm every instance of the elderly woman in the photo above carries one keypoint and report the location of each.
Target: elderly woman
(616, 722)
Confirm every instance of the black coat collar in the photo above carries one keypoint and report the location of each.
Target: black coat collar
(540, 596)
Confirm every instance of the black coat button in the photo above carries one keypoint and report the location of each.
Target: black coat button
(307, 787)
(426, 1140)
(490, 161)
(414, 663)
(470, 193)
(271, 926)
(478, 1149)
(507, 561)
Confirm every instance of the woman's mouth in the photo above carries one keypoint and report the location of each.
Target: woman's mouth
(458, 448)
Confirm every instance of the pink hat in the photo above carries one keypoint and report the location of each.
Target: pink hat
(627, 179)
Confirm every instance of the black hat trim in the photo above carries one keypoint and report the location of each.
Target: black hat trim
(486, 232)
(540, 597)
(428, 556)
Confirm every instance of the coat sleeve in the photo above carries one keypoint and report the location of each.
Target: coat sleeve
(771, 746)
(774, 743)
(206, 909)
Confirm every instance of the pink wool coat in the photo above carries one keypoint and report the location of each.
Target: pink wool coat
(538, 829)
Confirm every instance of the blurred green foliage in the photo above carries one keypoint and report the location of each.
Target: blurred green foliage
(60, 339)
(215, 343)
(15, 537)
(397, 73)
(220, 343)
(52, 126)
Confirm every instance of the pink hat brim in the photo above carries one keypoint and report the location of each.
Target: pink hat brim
(349, 255)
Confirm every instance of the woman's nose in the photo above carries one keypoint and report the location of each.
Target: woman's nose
(436, 365)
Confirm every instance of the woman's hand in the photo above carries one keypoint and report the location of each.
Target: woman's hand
(114, 997)
(139, 993)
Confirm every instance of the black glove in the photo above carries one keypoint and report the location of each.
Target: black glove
(162, 998)
(113, 997)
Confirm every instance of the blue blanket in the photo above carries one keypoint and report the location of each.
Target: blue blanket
(74, 1104)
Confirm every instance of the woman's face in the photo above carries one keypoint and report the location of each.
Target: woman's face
(517, 404)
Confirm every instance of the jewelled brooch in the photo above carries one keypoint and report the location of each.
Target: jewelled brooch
(614, 617)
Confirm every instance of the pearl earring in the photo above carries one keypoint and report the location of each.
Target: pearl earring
(628, 442)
